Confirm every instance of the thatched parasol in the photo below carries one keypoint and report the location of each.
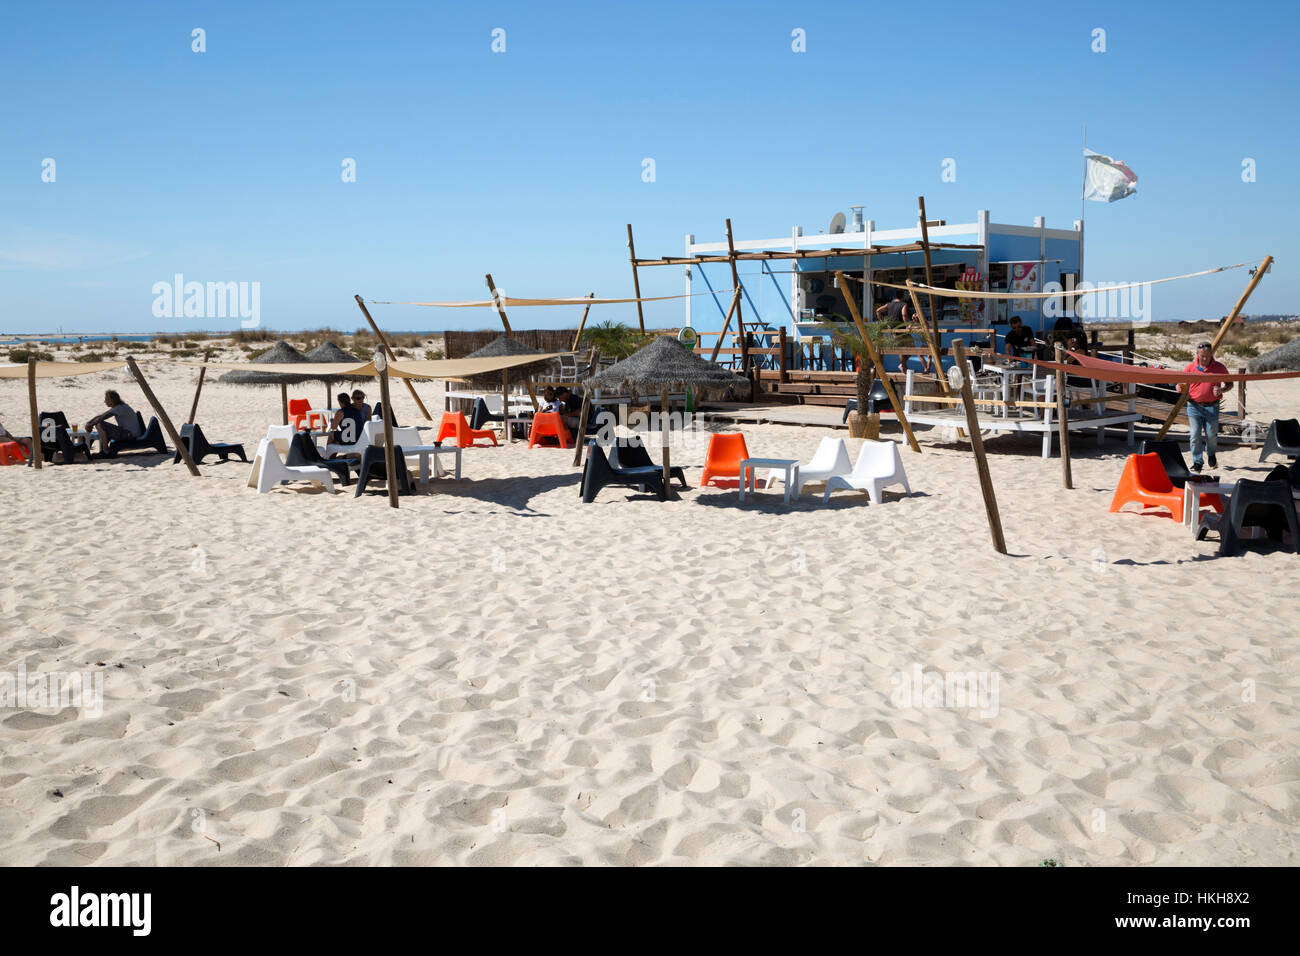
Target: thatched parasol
(329, 352)
(505, 345)
(281, 353)
(1284, 358)
(661, 367)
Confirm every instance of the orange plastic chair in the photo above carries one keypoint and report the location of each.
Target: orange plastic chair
(298, 409)
(1145, 481)
(549, 424)
(455, 426)
(12, 453)
(726, 451)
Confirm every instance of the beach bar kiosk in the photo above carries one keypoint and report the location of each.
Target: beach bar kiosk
(789, 282)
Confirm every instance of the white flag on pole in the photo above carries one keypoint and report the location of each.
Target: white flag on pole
(1106, 179)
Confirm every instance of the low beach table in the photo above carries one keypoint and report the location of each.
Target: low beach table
(789, 465)
(425, 452)
(80, 438)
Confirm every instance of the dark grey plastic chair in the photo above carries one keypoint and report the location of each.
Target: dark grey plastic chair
(1266, 504)
(199, 447)
(598, 473)
(303, 451)
(1283, 438)
(152, 440)
(374, 466)
(632, 454)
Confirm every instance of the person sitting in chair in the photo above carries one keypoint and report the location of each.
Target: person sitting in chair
(25, 442)
(1019, 338)
(569, 407)
(549, 402)
(346, 429)
(127, 425)
(359, 402)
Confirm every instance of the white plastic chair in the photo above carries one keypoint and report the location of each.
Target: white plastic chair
(364, 440)
(282, 436)
(878, 467)
(269, 470)
(830, 459)
(568, 367)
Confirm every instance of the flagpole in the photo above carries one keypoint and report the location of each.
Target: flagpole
(1083, 184)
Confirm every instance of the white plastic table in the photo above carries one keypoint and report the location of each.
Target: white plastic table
(789, 465)
(425, 452)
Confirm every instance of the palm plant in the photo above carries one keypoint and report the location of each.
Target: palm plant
(614, 339)
(881, 334)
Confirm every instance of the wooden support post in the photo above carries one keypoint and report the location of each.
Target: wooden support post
(37, 454)
(1218, 338)
(507, 433)
(582, 323)
(664, 428)
(935, 354)
(735, 304)
(390, 457)
(501, 311)
(284, 403)
(740, 318)
(977, 445)
(636, 280)
(1241, 401)
(1062, 422)
(783, 368)
(929, 276)
(580, 440)
(194, 408)
(388, 350)
(162, 416)
(872, 354)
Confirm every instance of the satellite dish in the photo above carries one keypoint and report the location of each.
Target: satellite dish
(837, 224)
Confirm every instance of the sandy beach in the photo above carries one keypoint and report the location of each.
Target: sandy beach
(499, 674)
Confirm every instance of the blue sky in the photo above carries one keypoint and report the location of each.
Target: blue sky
(225, 165)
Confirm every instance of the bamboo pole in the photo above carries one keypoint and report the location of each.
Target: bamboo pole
(977, 445)
(37, 454)
(1218, 338)
(869, 347)
(390, 458)
(582, 323)
(161, 412)
(388, 350)
(1063, 423)
(194, 408)
(636, 280)
(284, 403)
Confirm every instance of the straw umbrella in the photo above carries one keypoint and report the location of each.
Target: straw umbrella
(660, 367)
(282, 353)
(1284, 358)
(329, 352)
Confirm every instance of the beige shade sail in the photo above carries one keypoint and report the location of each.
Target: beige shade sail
(440, 368)
(59, 369)
(1089, 289)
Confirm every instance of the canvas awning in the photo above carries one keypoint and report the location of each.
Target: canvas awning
(415, 368)
(59, 369)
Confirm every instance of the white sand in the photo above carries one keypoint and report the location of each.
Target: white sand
(496, 673)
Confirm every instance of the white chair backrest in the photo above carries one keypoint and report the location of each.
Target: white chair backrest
(408, 436)
(832, 454)
(877, 459)
(494, 404)
(282, 436)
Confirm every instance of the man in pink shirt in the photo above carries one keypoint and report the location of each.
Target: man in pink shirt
(1203, 405)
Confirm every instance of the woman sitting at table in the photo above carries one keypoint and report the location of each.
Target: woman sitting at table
(128, 422)
(346, 429)
(25, 442)
(359, 402)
